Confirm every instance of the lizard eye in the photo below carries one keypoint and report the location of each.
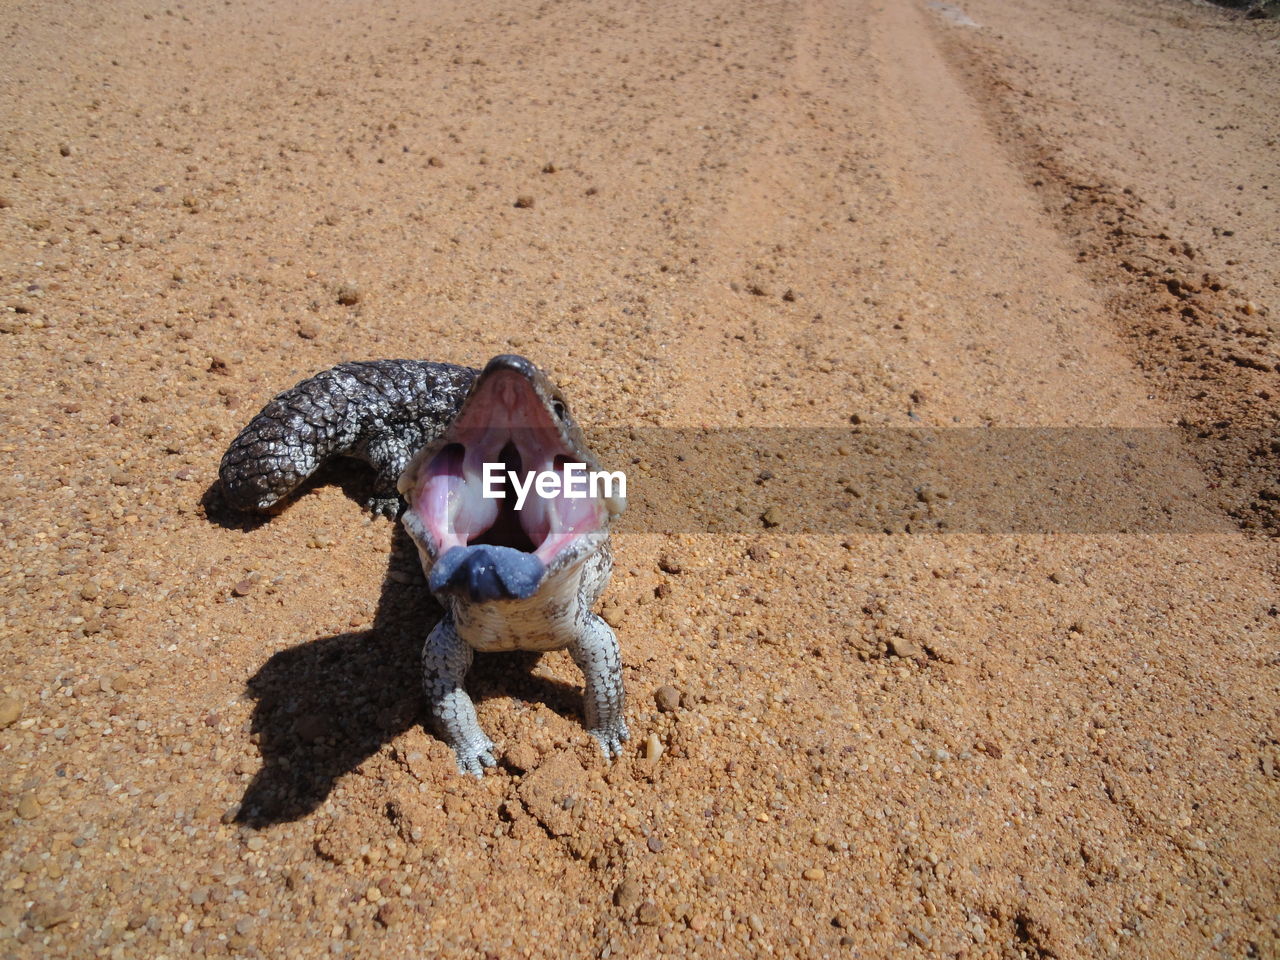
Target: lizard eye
(561, 410)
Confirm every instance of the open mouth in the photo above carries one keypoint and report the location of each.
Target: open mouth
(483, 486)
(455, 510)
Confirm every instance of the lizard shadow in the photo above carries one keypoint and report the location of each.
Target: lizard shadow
(325, 706)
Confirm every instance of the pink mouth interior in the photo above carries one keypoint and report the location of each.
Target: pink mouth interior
(504, 422)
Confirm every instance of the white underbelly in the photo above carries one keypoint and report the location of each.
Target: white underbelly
(549, 620)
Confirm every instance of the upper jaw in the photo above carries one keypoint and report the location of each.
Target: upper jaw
(512, 416)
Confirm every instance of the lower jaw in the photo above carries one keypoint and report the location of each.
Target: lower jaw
(484, 572)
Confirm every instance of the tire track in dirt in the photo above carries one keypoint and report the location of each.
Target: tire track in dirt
(782, 210)
(1192, 315)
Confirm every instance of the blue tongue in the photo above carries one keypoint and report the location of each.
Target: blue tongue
(485, 572)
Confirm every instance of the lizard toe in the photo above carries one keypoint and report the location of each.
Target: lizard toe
(611, 739)
(388, 507)
(474, 761)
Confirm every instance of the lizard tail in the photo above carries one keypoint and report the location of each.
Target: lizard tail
(379, 411)
(286, 443)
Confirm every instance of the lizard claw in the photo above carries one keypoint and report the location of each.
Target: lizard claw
(473, 759)
(388, 507)
(611, 738)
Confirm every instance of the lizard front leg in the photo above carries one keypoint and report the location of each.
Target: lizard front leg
(446, 658)
(595, 651)
(388, 454)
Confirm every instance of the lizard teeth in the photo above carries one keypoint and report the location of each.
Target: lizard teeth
(450, 504)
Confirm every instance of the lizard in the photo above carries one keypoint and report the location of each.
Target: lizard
(506, 579)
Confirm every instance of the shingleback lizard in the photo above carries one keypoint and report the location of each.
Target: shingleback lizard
(508, 579)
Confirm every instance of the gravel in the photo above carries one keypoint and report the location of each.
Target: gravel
(217, 765)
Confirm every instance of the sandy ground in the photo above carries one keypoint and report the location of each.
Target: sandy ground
(791, 213)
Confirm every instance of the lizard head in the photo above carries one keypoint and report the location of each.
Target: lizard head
(483, 546)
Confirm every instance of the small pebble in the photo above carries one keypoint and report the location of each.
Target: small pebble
(627, 894)
(524, 201)
(28, 807)
(312, 727)
(43, 916)
(815, 873)
(667, 698)
(124, 682)
(904, 648)
(390, 913)
(648, 913)
(521, 757)
(10, 711)
(348, 294)
(771, 517)
(652, 748)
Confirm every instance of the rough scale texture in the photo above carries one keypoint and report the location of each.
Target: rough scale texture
(379, 411)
